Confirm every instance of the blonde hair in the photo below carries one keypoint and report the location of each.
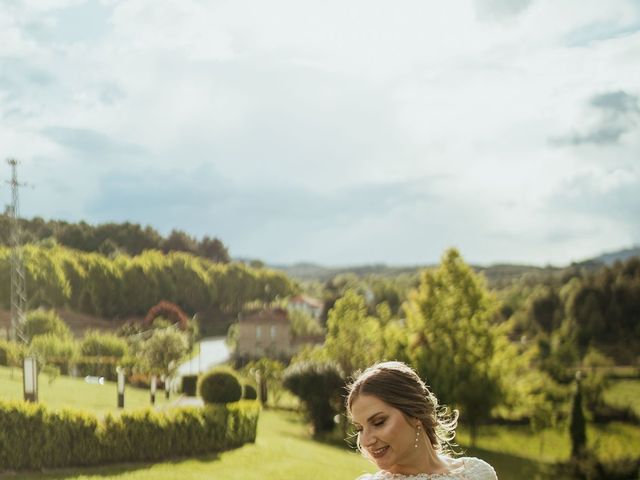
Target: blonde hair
(398, 385)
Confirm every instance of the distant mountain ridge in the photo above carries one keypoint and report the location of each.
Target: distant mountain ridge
(617, 256)
(307, 271)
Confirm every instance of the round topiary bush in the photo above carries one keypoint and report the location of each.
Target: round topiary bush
(220, 386)
(250, 393)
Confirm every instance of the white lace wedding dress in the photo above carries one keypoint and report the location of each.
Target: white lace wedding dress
(472, 468)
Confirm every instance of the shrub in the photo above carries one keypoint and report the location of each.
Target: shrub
(43, 322)
(70, 438)
(99, 344)
(101, 352)
(318, 385)
(220, 385)
(52, 350)
(190, 385)
(249, 392)
(11, 353)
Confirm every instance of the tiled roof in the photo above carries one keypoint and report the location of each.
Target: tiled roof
(274, 315)
(312, 302)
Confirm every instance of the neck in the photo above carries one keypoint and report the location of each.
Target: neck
(425, 460)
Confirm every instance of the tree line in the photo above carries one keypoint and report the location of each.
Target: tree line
(577, 310)
(124, 285)
(509, 354)
(580, 307)
(112, 238)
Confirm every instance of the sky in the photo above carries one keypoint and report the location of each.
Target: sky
(335, 132)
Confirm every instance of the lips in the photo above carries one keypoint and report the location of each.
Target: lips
(379, 452)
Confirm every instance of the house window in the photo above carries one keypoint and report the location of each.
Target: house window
(258, 332)
(273, 332)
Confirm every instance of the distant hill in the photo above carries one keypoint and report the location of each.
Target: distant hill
(496, 274)
(319, 273)
(613, 257)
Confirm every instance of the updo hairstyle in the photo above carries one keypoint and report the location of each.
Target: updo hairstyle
(399, 386)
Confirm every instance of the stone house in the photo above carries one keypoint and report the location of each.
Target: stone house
(264, 333)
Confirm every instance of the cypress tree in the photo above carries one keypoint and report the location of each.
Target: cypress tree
(577, 425)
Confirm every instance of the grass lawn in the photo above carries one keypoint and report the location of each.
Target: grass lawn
(284, 449)
(514, 449)
(76, 393)
(624, 393)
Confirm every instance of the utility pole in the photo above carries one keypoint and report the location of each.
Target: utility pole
(18, 284)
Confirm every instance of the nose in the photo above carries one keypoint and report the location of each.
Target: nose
(366, 438)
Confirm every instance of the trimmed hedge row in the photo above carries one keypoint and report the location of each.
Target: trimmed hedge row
(34, 437)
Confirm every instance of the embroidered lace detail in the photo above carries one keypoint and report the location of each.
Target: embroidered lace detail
(472, 469)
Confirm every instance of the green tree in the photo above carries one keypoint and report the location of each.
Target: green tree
(454, 343)
(544, 309)
(45, 277)
(354, 339)
(303, 324)
(267, 374)
(43, 322)
(164, 350)
(213, 249)
(577, 424)
(179, 241)
(318, 385)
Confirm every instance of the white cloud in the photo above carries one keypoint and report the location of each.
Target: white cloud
(323, 101)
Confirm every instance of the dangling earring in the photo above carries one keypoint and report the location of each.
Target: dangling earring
(415, 445)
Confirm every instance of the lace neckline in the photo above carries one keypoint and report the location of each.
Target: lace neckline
(384, 475)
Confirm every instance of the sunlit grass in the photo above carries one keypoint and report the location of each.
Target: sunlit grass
(609, 441)
(285, 450)
(65, 391)
(624, 393)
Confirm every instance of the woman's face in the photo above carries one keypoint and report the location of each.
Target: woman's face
(385, 434)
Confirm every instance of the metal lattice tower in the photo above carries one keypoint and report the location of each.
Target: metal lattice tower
(18, 284)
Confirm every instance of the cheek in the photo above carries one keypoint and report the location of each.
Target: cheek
(392, 431)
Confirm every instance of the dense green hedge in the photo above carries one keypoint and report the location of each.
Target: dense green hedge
(34, 437)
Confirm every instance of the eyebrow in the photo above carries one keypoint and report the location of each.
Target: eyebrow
(371, 417)
(374, 416)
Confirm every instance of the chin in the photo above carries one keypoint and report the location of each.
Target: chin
(384, 464)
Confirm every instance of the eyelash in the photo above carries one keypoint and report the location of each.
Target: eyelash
(379, 423)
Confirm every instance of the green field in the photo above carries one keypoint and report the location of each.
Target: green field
(624, 393)
(75, 393)
(284, 449)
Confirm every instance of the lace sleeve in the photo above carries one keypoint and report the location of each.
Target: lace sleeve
(477, 469)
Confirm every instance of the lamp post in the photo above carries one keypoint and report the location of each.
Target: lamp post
(120, 371)
(30, 379)
(153, 389)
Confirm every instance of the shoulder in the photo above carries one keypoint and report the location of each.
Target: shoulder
(479, 469)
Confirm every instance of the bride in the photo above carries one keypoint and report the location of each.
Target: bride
(403, 431)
